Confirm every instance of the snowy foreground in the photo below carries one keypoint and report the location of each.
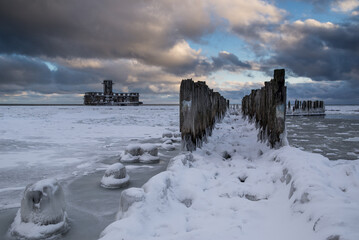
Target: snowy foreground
(237, 188)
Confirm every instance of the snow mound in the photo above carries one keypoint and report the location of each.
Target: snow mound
(115, 177)
(42, 214)
(143, 153)
(256, 193)
(128, 198)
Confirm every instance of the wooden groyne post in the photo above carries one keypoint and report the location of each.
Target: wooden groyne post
(200, 108)
(267, 107)
(306, 108)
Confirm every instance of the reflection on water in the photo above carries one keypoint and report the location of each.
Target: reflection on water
(335, 136)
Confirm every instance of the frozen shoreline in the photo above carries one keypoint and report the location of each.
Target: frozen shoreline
(210, 197)
(90, 207)
(256, 193)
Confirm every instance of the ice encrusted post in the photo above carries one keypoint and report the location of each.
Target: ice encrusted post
(267, 106)
(200, 108)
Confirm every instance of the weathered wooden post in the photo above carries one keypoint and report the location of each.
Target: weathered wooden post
(200, 108)
(267, 107)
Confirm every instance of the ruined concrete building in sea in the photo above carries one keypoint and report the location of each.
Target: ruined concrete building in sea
(107, 97)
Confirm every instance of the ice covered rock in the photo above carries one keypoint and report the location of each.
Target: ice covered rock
(42, 213)
(168, 145)
(134, 150)
(167, 134)
(174, 136)
(179, 161)
(145, 153)
(148, 158)
(129, 197)
(115, 177)
(150, 149)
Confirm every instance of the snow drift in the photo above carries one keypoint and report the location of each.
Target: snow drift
(237, 188)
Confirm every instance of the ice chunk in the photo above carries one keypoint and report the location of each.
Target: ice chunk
(134, 150)
(150, 149)
(167, 134)
(174, 136)
(148, 158)
(145, 153)
(129, 197)
(42, 213)
(118, 170)
(115, 177)
(168, 145)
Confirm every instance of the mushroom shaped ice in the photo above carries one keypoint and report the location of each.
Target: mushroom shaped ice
(115, 177)
(42, 213)
(144, 153)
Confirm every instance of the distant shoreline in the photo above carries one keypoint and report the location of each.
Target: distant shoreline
(20, 104)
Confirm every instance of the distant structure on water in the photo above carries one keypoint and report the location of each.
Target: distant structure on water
(107, 97)
(306, 108)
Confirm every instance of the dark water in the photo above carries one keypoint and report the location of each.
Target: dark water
(335, 136)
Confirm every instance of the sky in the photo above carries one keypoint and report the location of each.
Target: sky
(54, 51)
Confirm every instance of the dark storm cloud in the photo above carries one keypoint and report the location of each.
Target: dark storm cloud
(340, 92)
(229, 61)
(25, 74)
(145, 30)
(223, 61)
(320, 51)
(18, 73)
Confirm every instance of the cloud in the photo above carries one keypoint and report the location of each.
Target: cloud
(338, 92)
(68, 47)
(229, 61)
(320, 51)
(19, 74)
(154, 32)
(146, 30)
(344, 5)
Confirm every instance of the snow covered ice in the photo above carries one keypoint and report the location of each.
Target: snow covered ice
(232, 188)
(144, 153)
(42, 213)
(76, 144)
(253, 193)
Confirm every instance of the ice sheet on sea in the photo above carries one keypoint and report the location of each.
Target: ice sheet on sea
(39, 142)
(286, 193)
(73, 135)
(340, 109)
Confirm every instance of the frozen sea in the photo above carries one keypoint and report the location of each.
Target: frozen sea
(335, 135)
(75, 144)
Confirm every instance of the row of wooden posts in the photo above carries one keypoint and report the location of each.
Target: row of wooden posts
(201, 108)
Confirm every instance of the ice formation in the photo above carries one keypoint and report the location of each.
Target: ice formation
(128, 198)
(144, 153)
(256, 193)
(42, 213)
(168, 145)
(174, 136)
(115, 177)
